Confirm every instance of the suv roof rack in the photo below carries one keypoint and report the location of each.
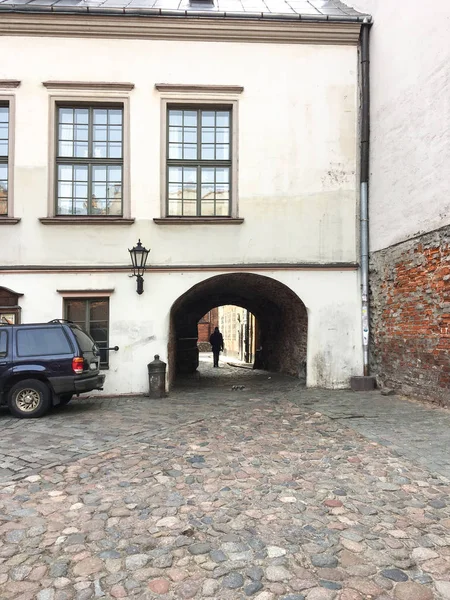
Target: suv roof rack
(60, 321)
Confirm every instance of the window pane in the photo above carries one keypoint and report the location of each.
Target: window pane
(175, 151)
(100, 133)
(223, 119)
(66, 115)
(65, 190)
(189, 208)
(81, 149)
(114, 173)
(222, 191)
(82, 133)
(175, 117)
(99, 310)
(65, 149)
(98, 206)
(189, 191)
(80, 173)
(114, 207)
(222, 208)
(115, 150)
(190, 151)
(190, 136)
(82, 116)
(208, 118)
(175, 190)
(65, 206)
(3, 148)
(207, 192)
(99, 150)
(3, 131)
(207, 208)
(189, 175)
(223, 136)
(115, 117)
(81, 190)
(175, 174)
(190, 118)
(99, 190)
(222, 152)
(175, 208)
(208, 175)
(66, 132)
(207, 152)
(175, 134)
(39, 341)
(99, 173)
(100, 116)
(115, 134)
(80, 208)
(65, 172)
(208, 136)
(222, 175)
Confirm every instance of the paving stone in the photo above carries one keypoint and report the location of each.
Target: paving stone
(277, 573)
(394, 574)
(412, 591)
(199, 548)
(159, 586)
(443, 587)
(324, 561)
(253, 587)
(233, 581)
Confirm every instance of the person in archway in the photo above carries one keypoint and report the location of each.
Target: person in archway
(216, 341)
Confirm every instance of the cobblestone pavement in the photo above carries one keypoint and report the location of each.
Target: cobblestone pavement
(270, 492)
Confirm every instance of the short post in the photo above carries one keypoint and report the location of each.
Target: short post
(157, 378)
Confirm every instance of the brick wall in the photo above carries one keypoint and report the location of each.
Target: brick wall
(410, 316)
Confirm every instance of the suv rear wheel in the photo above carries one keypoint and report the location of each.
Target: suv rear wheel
(29, 399)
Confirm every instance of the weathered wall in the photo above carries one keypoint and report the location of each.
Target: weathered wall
(410, 285)
(297, 150)
(410, 113)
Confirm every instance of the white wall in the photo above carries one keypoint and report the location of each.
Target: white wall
(410, 118)
(139, 325)
(297, 150)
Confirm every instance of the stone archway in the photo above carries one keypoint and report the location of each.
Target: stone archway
(281, 315)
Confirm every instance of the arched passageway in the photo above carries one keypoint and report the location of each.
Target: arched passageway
(281, 315)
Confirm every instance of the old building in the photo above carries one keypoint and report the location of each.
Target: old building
(223, 136)
(410, 196)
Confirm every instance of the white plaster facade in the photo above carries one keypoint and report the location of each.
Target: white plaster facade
(297, 182)
(410, 116)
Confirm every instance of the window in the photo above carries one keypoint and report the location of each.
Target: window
(199, 161)
(42, 342)
(3, 344)
(4, 153)
(89, 160)
(92, 315)
(9, 307)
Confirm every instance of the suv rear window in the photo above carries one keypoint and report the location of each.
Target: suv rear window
(42, 341)
(85, 342)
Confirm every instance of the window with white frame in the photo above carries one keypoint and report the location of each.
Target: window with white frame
(199, 161)
(4, 155)
(89, 159)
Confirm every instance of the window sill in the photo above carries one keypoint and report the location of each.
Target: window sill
(86, 221)
(198, 221)
(9, 221)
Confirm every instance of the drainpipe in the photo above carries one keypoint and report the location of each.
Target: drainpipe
(364, 192)
(365, 382)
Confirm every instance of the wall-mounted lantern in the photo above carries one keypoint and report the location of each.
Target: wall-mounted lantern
(139, 256)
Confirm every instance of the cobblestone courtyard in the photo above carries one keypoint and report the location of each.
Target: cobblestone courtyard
(270, 492)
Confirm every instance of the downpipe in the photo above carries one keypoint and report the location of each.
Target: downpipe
(364, 192)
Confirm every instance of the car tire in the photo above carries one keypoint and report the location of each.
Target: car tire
(29, 399)
(65, 399)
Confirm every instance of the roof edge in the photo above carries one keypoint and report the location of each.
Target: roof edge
(174, 27)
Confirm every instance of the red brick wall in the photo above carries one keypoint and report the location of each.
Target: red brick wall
(205, 328)
(410, 315)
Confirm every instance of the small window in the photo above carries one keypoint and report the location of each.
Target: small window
(3, 344)
(38, 341)
(199, 161)
(92, 315)
(4, 154)
(89, 160)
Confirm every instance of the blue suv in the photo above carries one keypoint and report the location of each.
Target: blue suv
(45, 364)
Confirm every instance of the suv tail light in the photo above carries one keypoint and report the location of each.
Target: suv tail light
(77, 364)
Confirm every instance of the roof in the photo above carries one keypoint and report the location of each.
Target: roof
(307, 10)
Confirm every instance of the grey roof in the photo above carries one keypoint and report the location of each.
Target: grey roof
(308, 10)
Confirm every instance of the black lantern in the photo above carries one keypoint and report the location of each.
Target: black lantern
(139, 256)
